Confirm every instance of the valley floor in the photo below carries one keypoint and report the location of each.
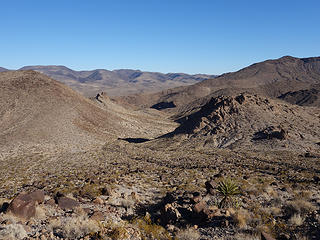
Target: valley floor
(160, 189)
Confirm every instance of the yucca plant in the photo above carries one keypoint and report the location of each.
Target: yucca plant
(228, 189)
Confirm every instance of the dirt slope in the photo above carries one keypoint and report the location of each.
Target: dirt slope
(35, 109)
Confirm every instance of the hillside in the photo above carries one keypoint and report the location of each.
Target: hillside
(37, 110)
(117, 82)
(3, 69)
(249, 121)
(270, 78)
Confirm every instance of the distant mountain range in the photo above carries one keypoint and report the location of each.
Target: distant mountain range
(116, 82)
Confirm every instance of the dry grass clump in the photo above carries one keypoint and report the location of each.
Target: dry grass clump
(242, 236)
(241, 218)
(150, 229)
(188, 234)
(74, 227)
(296, 220)
(12, 232)
(299, 206)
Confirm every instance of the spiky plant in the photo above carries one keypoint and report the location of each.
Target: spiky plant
(228, 189)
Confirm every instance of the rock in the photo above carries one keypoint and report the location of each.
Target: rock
(134, 196)
(51, 202)
(23, 206)
(97, 216)
(107, 191)
(316, 179)
(98, 201)
(199, 207)
(196, 197)
(37, 196)
(266, 236)
(67, 203)
(212, 212)
(210, 186)
(230, 211)
(4, 207)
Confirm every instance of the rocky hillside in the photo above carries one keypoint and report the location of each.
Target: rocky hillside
(3, 69)
(117, 82)
(270, 78)
(250, 121)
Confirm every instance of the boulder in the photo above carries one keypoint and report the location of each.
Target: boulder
(200, 207)
(67, 203)
(21, 208)
(24, 204)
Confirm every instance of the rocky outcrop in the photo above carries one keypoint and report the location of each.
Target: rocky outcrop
(271, 133)
(241, 120)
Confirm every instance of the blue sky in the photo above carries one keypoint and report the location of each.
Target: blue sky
(192, 36)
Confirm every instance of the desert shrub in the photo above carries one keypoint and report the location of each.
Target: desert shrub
(150, 229)
(74, 227)
(229, 190)
(296, 220)
(188, 234)
(13, 231)
(241, 218)
(299, 206)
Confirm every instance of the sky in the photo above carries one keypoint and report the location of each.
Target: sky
(191, 36)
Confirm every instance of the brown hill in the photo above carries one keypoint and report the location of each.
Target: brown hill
(117, 82)
(249, 121)
(270, 78)
(35, 109)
